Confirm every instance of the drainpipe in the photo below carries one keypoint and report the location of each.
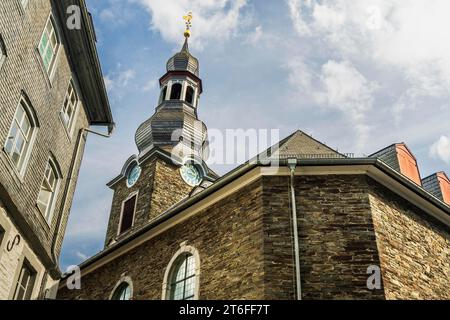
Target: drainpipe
(72, 168)
(292, 165)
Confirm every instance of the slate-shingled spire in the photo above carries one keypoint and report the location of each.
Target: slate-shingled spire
(175, 121)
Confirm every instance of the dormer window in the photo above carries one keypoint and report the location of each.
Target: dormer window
(189, 95)
(175, 93)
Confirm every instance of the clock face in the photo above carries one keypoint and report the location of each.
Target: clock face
(133, 175)
(191, 174)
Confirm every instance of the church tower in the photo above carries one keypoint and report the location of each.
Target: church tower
(173, 147)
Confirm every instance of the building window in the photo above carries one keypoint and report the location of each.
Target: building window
(127, 216)
(189, 95)
(2, 51)
(20, 135)
(48, 46)
(163, 94)
(25, 282)
(182, 283)
(175, 93)
(69, 107)
(123, 292)
(47, 193)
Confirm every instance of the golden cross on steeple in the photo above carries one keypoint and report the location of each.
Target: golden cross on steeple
(188, 18)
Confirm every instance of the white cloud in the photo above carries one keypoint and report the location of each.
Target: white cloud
(151, 84)
(81, 255)
(409, 35)
(119, 79)
(441, 149)
(256, 35)
(337, 86)
(213, 19)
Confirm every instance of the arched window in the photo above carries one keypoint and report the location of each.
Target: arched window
(175, 94)
(162, 97)
(182, 277)
(122, 292)
(20, 138)
(189, 95)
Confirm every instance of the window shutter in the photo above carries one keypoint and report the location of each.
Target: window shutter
(128, 214)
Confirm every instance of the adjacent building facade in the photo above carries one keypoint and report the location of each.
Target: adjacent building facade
(51, 91)
(310, 223)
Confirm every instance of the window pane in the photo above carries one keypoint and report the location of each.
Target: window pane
(178, 291)
(189, 287)
(190, 269)
(181, 271)
(43, 45)
(16, 156)
(11, 137)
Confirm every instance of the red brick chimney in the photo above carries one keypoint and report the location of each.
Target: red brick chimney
(438, 184)
(400, 158)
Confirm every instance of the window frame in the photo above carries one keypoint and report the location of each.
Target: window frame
(119, 227)
(123, 281)
(173, 265)
(51, 67)
(192, 97)
(70, 125)
(28, 109)
(176, 83)
(50, 209)
(28, 292)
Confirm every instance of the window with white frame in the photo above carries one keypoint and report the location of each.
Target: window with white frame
(48, 46)
(47, 193)
(69, 106)
(20, 135)
(183, 281)
(25, 282)
(123, 292)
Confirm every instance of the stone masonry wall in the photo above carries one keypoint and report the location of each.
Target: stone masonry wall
(336, 238)
(414, 248)
(228, 238)
(160, 186)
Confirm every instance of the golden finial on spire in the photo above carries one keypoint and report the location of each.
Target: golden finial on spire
(188, 18)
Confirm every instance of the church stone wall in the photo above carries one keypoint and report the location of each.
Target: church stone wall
(228, 237)
(347, 223)
(159, 187)
(414, 248)
(336, 238)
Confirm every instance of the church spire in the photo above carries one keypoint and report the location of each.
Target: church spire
(175, 124)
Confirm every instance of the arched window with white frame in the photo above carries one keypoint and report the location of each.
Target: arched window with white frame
(21, 135)
(182, 277)
(123, 290)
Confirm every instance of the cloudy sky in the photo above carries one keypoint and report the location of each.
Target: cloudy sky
(357, 75)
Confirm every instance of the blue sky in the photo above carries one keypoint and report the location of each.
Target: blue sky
(357, 75)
